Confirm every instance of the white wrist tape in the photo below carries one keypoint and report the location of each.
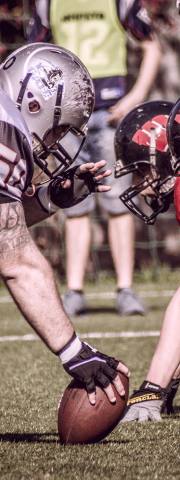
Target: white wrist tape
(72, 350)
(43, 196)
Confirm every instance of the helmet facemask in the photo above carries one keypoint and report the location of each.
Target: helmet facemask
(58, 150)
(148, 207)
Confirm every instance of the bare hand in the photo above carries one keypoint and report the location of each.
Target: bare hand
(121, 108)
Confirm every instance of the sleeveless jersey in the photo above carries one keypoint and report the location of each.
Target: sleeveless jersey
(96, 31)
(93, 32)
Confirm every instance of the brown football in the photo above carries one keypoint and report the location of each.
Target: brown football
(81, 422)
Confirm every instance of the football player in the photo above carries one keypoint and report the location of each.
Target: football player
(147, 145)
(46, 99)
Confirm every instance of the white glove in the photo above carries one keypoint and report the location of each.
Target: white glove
(144, 411)
(145, 404)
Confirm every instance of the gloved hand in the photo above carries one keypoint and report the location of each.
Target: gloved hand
(145, 404)
(78, 183)
(172, 389)
(91, 367)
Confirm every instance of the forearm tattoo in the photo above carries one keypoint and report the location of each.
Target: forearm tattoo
(14, 234)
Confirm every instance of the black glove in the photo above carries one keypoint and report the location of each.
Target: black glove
(88, 366)
(172, 389)
(82, 185)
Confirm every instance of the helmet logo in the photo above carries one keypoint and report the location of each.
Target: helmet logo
(47, 77)
(143, 136)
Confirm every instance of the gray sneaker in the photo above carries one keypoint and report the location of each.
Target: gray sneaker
(128, 303)
(74, 302)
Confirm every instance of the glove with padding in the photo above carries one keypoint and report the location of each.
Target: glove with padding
(87, 365)
(82, 185)
(172, 389)
(145, 404)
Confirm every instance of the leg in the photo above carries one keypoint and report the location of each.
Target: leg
(121, 239)
(78, 237)
(121, 231)
(77, 244)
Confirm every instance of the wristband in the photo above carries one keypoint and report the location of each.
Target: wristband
(44, 198)
(70, 350)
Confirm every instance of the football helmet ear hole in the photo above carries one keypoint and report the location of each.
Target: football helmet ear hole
(34, 106)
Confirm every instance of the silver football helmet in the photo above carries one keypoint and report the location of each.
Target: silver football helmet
(54, 91)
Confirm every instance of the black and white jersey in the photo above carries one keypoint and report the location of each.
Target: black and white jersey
(16, 158)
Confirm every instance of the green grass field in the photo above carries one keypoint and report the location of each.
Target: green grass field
(32, 380)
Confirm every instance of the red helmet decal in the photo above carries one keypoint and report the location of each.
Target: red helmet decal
(177, 118)
(143, 135)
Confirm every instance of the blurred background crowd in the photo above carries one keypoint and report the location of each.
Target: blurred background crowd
(154, 245)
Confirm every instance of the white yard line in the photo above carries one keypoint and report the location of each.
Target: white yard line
(31, 337)
(93, 295)
(109, 295)
(143, 293)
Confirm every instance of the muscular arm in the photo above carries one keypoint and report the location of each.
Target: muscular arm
(33, 211)
(30, 280)
(148, 69)
(81, 182)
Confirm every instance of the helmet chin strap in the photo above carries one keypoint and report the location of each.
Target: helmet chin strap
(152, 147)
(152, 153)
(41, 153)
(22, 90)
(57, 108)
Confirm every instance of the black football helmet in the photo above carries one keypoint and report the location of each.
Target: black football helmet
(173, 136)
(142, 150)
